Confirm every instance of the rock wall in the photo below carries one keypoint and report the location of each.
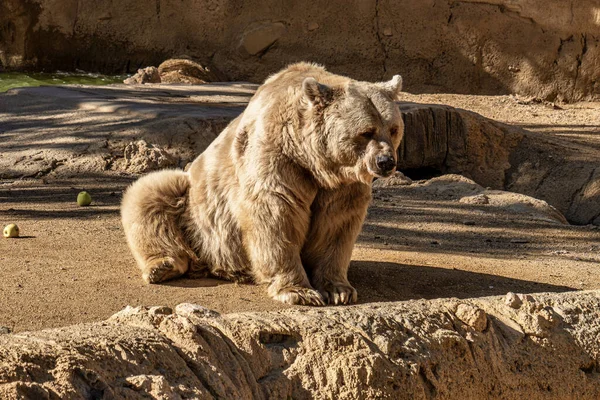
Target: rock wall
(548, 49)
(542, 347)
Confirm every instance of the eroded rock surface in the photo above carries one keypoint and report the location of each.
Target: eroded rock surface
(51, 132)
(546, 345)
(499, 156)
(141, 157)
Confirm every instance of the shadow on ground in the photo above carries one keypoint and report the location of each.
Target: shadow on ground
(387, 281)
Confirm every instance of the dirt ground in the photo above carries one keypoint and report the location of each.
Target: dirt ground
(72, 263)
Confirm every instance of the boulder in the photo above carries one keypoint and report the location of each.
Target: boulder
(258, 39)
(449, 140)
(183, 70)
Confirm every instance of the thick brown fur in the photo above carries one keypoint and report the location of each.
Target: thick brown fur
(280, 196)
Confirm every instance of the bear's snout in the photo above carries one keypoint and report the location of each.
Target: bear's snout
(385, 163)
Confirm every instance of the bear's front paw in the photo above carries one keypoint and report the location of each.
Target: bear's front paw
(299, 295)
(339, 293)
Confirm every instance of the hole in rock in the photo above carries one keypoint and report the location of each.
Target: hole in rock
(417, 174)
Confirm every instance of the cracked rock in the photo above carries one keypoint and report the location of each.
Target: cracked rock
(364, 351)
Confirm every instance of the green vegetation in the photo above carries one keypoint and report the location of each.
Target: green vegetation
(10, 80)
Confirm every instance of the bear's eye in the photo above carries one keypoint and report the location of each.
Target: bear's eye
(368, 134)
(393, 131)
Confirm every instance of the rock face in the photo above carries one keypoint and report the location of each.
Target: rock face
(471, 46)
(452, 141)
(539, 347)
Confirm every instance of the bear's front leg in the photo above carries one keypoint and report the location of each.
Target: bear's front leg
(274, 226)
(337, 217)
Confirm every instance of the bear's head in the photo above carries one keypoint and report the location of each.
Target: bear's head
(354, 129)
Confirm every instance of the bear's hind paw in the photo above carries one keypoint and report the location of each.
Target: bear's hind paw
(299, 295)
(161, 270)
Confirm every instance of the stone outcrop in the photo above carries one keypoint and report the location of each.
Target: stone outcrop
(538, 347)
(457, 188)
(564, 174)
(140, 157)
(550, 50)
(112, 130)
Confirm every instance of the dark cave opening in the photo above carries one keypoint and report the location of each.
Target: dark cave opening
(417, 174)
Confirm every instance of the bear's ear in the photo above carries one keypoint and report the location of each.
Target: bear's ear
(317, 93)
(393, 86)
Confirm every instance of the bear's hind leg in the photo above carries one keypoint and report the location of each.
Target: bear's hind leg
(152, 214)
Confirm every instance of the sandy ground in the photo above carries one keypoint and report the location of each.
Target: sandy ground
(73, 265)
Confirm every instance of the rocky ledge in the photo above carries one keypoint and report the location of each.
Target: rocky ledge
(518, 346)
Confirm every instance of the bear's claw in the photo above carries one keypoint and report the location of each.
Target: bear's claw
(299, 295)
(339, 293)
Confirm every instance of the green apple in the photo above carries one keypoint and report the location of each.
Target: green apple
(84, 199)
(11, 231)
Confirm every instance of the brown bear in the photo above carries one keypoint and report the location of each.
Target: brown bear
(280, 196)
